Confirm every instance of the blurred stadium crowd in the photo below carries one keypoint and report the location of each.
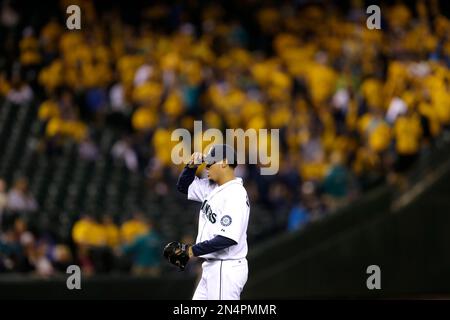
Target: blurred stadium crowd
(355, 108)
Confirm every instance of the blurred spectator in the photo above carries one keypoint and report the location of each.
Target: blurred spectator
(278, 197)
(85, 235)
(145, 251)
(407, 132)
(19, 197)
(42, 263)
(84, 260)
(16, 249)
(91, 237)
(3, 200)
(336, 184)
(117, 99)
(23, 234)
(298, 217)
(112, 232)
(311, 200)
(396, 107)
(96, 101)
(133, 228)
(81, 228)
(62, 118)
(123, 151)
(49, 109)
(61, 257)
(20, 92)
(29, 50)
(9, 17)
(88, 150)
(11, 255)
(4, 84)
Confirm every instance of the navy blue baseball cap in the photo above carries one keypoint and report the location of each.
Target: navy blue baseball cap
(221, 152)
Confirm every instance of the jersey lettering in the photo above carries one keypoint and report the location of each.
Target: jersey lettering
(212, 217)
(207, 211)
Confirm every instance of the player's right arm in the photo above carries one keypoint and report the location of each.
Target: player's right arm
(187, 176)
(195, 188)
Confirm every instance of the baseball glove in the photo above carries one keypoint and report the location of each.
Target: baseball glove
(177, 253)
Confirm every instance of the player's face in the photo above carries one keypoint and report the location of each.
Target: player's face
(213, 171)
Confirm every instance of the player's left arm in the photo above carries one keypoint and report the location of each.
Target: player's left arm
(209, 246)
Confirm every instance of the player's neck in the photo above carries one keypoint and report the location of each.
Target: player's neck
(226, 178)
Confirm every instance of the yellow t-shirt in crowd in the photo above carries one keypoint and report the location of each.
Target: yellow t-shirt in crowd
(131, 229)
(88, 232)
(112, 235)
(407, 134)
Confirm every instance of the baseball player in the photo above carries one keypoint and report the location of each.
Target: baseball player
(222, 229)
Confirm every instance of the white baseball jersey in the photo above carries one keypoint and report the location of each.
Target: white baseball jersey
(225, 211)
